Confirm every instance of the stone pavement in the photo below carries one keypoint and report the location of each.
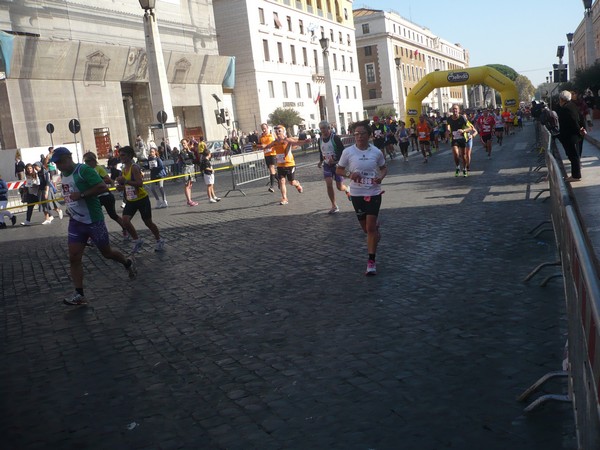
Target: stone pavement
(257, 328)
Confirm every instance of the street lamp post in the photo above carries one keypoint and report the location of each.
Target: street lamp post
(590, 50)
(401, 99)
(571, 57)
(160, 96)
(333, 115)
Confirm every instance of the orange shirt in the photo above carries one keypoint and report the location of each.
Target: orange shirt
(506, 117)
(266, 139)
(283, 160)
(423, 131)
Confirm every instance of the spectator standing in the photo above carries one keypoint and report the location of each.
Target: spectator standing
(4, 203)
(572, 130)
(32, 187)
(209, 176)
(157, 172)
(19, 168)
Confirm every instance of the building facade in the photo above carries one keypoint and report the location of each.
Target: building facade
(279, 60)
(66, 59)
(395, 53)
(584, 50)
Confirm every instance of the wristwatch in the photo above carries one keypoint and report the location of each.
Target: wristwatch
(82, 195)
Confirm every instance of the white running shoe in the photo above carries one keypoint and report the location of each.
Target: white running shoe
(160, 245)
(60, 214)
(371, 268)
(137, 245)
(46, 222)
(75, 299)
(27, 223)
(212, 200)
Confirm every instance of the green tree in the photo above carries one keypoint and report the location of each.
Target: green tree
(287, 117)
(588, 78)
(508, 72)
(385, 111)
(525, 88)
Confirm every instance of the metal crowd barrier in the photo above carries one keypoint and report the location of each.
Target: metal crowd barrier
(246, 168)
(582, 295)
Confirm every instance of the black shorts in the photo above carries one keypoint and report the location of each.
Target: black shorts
(286, 172)
(485, 137)
(460, 143)
(379, 143)
(142, 205)
(366, 206)
(391, 140)
(271, 160)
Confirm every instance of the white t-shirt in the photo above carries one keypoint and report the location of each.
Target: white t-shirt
(367, 163)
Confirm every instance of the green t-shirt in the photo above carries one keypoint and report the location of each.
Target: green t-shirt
(86, 210)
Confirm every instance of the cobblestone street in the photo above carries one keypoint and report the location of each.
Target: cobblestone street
(257, 328)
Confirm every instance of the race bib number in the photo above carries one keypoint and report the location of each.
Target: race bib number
(366, 177)
(422, 134)
(130, 192)
(403, 139)
(486, 128)
(153, 164)
(458, 134)
(66, 189)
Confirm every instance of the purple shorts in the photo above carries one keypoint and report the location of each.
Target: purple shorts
(329, 172)
(79, 233)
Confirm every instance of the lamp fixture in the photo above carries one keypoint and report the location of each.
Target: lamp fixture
(324, 43)
(570, 37)
(148, 5)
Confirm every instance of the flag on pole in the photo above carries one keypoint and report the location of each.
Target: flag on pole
(337, 98)
(318, 96)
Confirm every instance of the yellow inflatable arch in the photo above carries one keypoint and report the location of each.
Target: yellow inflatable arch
(472, 75)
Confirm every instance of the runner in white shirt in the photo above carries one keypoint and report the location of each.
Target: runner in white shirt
(365, 165)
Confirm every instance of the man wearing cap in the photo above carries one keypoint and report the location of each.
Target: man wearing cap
(80, 186)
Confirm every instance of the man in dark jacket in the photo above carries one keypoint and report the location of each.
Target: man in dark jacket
(572, 129)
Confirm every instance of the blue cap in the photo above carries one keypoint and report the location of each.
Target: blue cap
(58, 153)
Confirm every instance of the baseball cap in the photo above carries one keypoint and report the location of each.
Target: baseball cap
(375, 118)
(59, 153)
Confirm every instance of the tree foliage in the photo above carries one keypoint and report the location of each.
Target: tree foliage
(287, 117)
(385, 111)
(525, 88)
(588, 78)
(508, 72)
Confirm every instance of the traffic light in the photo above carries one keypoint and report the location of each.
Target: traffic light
(218, 116)
(560, 73)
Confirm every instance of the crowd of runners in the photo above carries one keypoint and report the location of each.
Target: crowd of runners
(86, 187)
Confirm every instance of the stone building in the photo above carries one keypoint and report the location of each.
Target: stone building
(385, 38)
(65, 59)
(279, 60)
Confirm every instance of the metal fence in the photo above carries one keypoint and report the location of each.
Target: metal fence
(582, 294)
(246, 168)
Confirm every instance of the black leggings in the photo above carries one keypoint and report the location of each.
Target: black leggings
(108, 201)
(30, 198)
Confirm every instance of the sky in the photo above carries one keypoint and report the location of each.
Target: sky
(522, 34)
